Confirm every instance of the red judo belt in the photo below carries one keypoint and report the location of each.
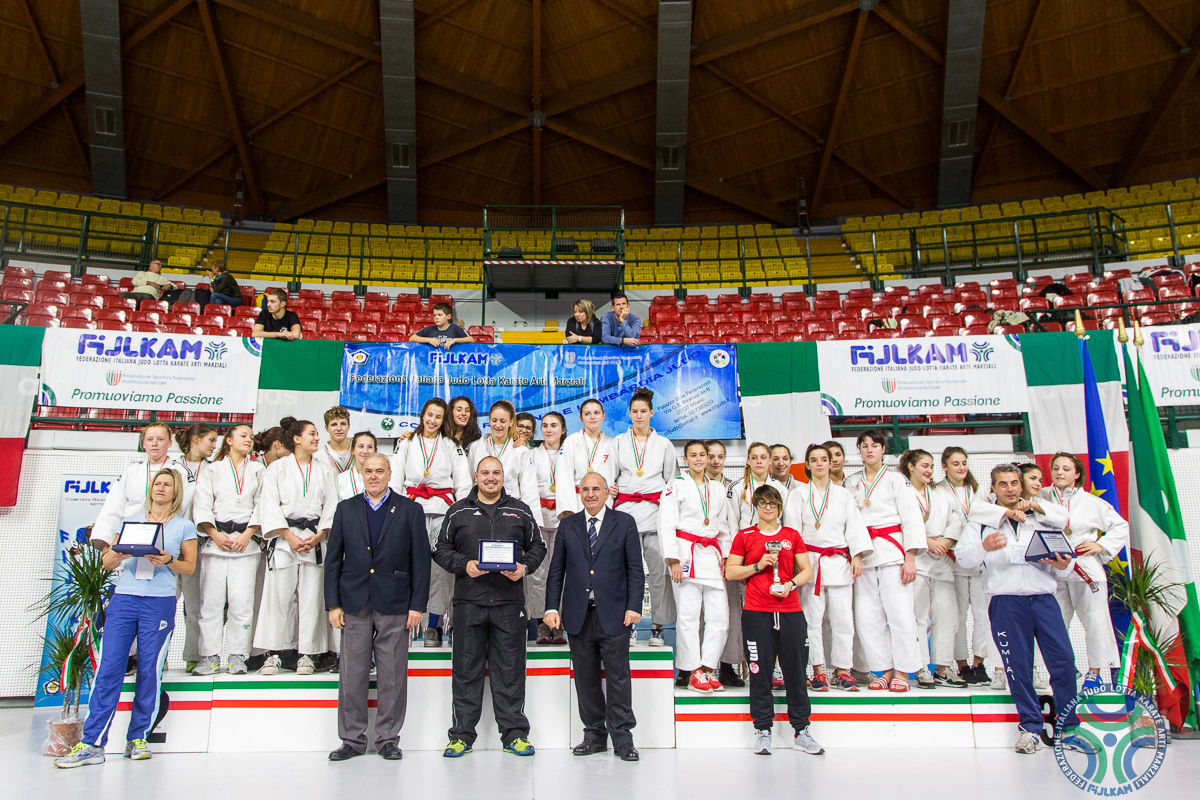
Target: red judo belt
(425, 491)
(822, 552)
(702, 541)
(886, 533)
(636, 498)
(549, 503)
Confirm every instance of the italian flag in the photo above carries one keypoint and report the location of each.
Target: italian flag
(20, 362)
(298, 379)
(1157, 537)
(781, 395)
(1054, 375)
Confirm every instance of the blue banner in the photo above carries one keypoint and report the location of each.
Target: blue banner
(695, 387)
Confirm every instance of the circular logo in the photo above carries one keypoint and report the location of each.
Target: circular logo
(718, 358)
(1119, 744)
(388, 423)
(754, 667)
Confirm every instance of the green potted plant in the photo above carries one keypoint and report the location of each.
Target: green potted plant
(1147, 592)
(76, 606)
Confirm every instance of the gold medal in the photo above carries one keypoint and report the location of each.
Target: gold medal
(552, 487)
(818, 526)
(706, 520)
(638, 473)
(426, 473)
(866, 502)
(1067, 531)
(589, 469)
(926, 518)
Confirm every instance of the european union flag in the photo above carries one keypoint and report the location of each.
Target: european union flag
(1101, 476)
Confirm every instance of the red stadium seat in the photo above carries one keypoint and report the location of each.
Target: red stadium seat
(210, 321)
(186, 308)
(41, 321)
(146, 327)
(178, 319)
(153, 305)
(113, 325)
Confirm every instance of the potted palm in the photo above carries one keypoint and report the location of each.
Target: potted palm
(75, 605)
(1146, 591)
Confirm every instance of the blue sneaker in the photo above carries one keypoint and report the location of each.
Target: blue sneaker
(1091, 679)
(656, 638)
(456, 749)
(1075, 742)
(519, 747)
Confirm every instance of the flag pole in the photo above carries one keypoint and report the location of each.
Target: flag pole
(1079, 331)
(1122, 334)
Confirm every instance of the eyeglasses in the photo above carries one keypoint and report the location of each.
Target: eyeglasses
(766, 504)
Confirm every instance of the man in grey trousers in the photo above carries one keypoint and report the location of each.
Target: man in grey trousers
(376, 588)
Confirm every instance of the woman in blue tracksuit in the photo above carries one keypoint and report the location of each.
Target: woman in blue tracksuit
(142, 609)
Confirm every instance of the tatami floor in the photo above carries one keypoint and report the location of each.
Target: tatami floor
(925, 771)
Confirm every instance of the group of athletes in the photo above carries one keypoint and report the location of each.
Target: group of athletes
(854, 575)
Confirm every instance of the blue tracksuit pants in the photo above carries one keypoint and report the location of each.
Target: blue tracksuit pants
(1017, 622)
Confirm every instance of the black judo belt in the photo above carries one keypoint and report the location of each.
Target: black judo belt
(235, 528)
(301, 524)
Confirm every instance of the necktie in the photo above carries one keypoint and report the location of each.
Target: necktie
(592, 536)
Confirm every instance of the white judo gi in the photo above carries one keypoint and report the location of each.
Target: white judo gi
(579, 453)
(935, 602)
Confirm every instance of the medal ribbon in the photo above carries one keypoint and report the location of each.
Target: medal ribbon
(813, 505)
(149, 467)
(491, 446)
(354, 483)
(429, 458)
(1064, 499)
(333, 458)
(753, 508)
(238, 482)
(924, 506)
(966, 504)
(304, 475)
(595, 447)
(637, 460)
(704, 498)
(553, 466)
(874, 483)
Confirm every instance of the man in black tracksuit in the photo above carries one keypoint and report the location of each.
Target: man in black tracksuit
(490, 624)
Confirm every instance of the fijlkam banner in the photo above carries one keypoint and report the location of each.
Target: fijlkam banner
(162, 371)
(1172, 361)
(942, 375)
(695, 387)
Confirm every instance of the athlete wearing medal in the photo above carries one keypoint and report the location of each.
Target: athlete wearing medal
(587, 450)
(1097, 532)
(128, 495)
(520, 480)
(883, 596)
(646, 464)
(225, 512)
(935, 605)
(196, 444)
(350, 483)
(829, 522)
(781, 468)
(544, 460)
(432, 470)
(693, 528)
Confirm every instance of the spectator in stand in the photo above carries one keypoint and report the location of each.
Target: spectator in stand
(583, 327)
(151, 285)
(619, 326)
(275, 321)
(223, 289)
(444, 332)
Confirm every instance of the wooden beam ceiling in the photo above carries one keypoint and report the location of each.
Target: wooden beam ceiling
(80, 150)
(839, 105)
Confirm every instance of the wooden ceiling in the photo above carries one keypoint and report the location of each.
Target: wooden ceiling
(1075, 95)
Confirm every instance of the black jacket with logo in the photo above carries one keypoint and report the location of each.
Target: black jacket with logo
(466, 523)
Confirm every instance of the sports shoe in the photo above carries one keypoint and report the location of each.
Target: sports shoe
(715, 684)
(729, 677)
(681, 678)
(1090, 680)
(137, 750)
(80, 756)
(845, 681)
(762, 743)
(326, 662)
(925, 678)
(777, 679)
(656, 638)
(543, 633)
(433, 637)
(699, 683)
(270, 665)
(209, 665)
(974, 675)
(1078, 744)
(633, 640)
(999, 684)
(805, 741)
(190, 665)
(305, 666)
(1040, 681)
(557, 636)
(1028, 742)
(820, 682)
(456, 749)
(130, 667)
(948, 676)
(237, 664)
(519, 747)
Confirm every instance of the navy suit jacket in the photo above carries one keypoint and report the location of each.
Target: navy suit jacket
(394, 575)
(615, 574)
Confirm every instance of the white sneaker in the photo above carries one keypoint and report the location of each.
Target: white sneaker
(270, 665)
(633, 640)
(762, 743)
(925, 678)
(998, 682)
(1028, 742)
(805, 741)
(1040, 681)
(305, 666)
(209, 665)
(237, 664)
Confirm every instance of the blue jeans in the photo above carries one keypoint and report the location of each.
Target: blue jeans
(224, 299)
(1017, 622)
(150, 621)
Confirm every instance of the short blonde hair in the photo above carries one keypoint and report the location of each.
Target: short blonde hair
(587, 307)
(177, 495)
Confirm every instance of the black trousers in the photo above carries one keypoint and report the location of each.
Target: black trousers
(491, 638)
(603, 717)
(767, 636)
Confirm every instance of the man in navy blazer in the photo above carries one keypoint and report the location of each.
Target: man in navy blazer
(376, 588)
(596, 580)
